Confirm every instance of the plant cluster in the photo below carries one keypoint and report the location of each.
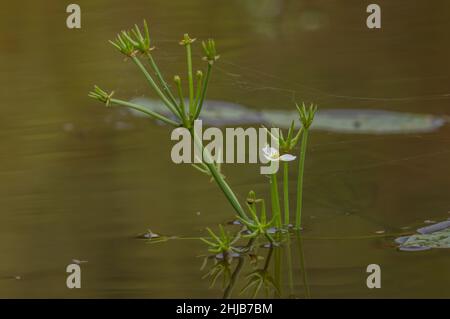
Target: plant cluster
(135, 44)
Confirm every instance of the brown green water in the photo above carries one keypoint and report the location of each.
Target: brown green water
(79, 181)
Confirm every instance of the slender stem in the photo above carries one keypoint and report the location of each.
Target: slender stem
(160, 77)
(172, 107)
(219, 178)
(234, 277)
(181, 107)
(145, 110)
(198, 91)
(268, 258)
(204, 89)
(277, 272)
(275, 198)
(190, 81)
(301, 166)
(286, 192)
(302, 265)
(289, 266)
(236, 272)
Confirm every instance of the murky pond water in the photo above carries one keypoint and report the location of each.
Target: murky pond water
(79, 181)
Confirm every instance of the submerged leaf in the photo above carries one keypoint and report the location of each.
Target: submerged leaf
(354, 121)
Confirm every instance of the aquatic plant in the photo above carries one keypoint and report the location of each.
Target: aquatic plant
(433, 236)
(306, 118)
(222, 243)
(183, 112)
(221, 268)
(261, 278)
(133, 44)
(286, 146)
(257, 226)
(272, 154)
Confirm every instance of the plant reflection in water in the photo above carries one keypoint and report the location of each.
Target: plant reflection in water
(265, 259)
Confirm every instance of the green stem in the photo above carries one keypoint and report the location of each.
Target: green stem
(181, 108)
(268, 258)
(302, 265)
(204, 89)
(234, 277)
(301, 166)
(289, 266)
(190, 80)
(172, 107)
(236, 272)
(145, 110)
(277, 272)
(286, 192)
(198, 91)
(219, 178)
(275, 198)
(160, 77)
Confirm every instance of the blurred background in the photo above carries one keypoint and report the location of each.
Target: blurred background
(79, 181)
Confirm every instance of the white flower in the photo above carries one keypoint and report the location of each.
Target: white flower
(271, 154)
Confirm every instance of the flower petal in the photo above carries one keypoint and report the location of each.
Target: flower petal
(266, 150)
(271, 158)
(287, 157)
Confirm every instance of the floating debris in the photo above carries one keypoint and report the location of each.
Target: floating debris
(11, 278)
(270, 245)
(433, 236)
(78, 261)
(241, 249)
(353, 121)
(235, 222)
(148, 235)
(379, 232)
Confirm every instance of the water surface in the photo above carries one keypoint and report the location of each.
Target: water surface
(79, 181)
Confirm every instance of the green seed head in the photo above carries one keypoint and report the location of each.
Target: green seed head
(101, 95)
(186, 40)
(124, 43)
(306, 114)
(142, 41)
(209, 48)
